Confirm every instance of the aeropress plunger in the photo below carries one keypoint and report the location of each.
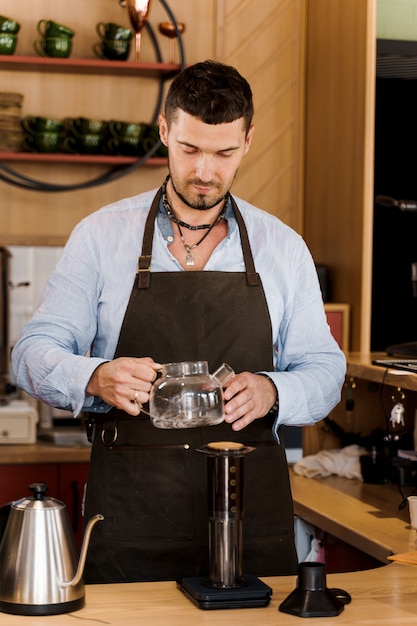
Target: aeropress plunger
(226, 586)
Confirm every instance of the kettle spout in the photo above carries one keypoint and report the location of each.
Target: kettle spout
(83, 554)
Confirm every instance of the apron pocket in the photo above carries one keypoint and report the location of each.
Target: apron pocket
(148, 494)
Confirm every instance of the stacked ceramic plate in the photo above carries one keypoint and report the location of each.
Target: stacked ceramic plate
(11, 132)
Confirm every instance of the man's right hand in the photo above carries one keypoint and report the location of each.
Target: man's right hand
(124, 382)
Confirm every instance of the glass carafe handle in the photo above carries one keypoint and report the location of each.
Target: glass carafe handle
(223, 374)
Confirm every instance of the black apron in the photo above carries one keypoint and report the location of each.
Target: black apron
(150, 484)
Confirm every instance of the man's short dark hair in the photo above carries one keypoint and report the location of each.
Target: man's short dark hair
(213, 92)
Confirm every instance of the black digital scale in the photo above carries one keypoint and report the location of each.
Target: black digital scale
(225, 587)
(254, 594)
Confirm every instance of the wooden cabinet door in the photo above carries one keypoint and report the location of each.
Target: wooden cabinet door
(15, 480)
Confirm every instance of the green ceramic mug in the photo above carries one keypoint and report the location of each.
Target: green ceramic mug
(152, 131)
(8, 25)
(128, 146)
(112, 49)
(85, 126)
(90, 143)
(49, 28)
(149, 142)
(60, 47)
(8, 43)
(38, 124)
(111, 30)
(122, 130)
(150, 138)
(43, 142)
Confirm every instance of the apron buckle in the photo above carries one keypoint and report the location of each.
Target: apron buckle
(109, 434)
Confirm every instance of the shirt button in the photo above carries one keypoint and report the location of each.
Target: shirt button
(170, 238)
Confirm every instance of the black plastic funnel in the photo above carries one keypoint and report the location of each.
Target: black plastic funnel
(311, 597)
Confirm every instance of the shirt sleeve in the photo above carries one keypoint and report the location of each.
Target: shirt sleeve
(310, 367)
(48, 360)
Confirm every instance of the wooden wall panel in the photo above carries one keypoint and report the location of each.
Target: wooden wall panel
(265, 41)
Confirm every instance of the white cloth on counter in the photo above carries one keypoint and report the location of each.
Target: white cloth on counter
(316, 553)
(340, 461)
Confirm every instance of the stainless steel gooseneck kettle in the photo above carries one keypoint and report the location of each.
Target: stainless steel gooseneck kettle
(40, 572)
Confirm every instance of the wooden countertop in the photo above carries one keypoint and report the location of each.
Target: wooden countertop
(385, 595)
(365, 516)
(359, 365)
(43, 453)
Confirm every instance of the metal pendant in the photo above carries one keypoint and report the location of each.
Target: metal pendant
(189, 259)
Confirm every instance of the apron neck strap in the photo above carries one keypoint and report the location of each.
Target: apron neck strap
(144, 262)
(251, 274)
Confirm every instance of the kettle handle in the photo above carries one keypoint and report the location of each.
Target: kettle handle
(4, 518)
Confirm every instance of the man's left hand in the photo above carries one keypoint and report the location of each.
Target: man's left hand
(247, 398)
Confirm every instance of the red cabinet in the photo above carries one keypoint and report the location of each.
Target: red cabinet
(65, 482)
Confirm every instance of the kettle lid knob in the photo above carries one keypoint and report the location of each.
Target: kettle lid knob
(39, 490)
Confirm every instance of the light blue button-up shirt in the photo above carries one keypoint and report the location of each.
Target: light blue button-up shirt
(77, 323)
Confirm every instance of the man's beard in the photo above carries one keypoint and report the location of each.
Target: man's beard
(201, 203)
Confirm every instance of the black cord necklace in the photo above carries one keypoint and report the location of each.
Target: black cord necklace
(189, 259)
(178, 222)
(172, 215)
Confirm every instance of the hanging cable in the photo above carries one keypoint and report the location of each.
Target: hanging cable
(30, 183)
(15, 178)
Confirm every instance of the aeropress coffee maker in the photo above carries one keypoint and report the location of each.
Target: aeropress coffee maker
(225, 587)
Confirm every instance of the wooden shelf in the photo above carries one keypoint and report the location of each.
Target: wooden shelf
(162, 71)
(88, 66)
(61, 157)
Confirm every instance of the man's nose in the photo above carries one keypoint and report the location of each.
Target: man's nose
(204, 168)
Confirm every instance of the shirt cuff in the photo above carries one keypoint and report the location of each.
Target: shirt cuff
(275, 407)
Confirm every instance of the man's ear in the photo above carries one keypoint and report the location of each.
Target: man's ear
(249, 138)
(163, 129)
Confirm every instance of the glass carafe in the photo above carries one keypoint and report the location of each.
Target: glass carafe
(187, 395)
